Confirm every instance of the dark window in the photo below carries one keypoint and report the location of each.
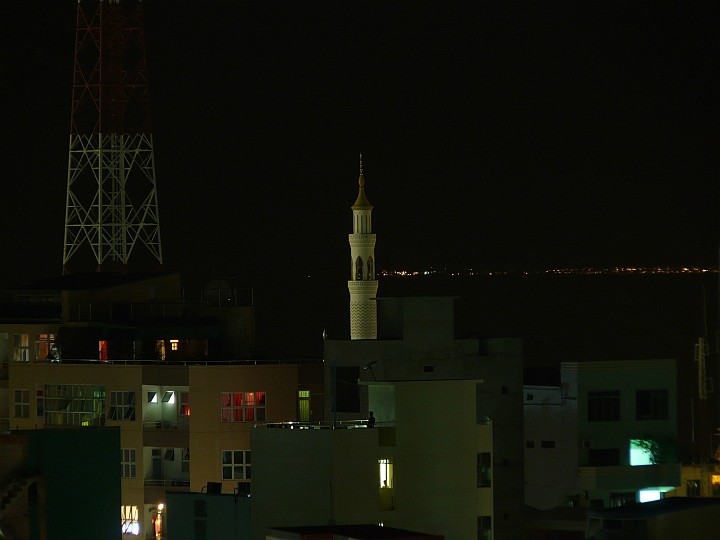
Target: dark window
(693, 488)
(529, 444)
(547, 444)
(601, 457)
(504, 390)
(603, 406)
(484, 470)
(428, 369)
(530, 397)
(623, 498)
(651, 404)
(484, 525)
(348, 392)
(358, 269)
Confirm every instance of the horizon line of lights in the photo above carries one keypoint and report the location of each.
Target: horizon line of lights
(589, 270)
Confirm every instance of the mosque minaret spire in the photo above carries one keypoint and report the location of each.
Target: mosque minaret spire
(363, 284)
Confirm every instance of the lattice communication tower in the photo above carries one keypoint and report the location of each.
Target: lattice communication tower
(111, 203)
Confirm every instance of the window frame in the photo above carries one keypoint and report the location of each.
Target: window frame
(243, 407)
(128, 463)
(21, 403)
(232, 466)
(603, 405)
(652, 404)
(120, 408)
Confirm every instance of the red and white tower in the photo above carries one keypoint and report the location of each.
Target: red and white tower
(362, 284)
(111, 201)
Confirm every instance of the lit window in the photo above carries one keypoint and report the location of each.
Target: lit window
(45, 348)
(22, 403)
(641, 452)
(184, 403)
(169, 397)
(242, 406)
(152, 397)
(122, 406)
(21, 350)
(130, 523)
(648, 495)
(236, 465)
(174, 344)
(603, 406)
(128, 463)
(74, 405)
(386, 473)
(103, 350)
(304, 405)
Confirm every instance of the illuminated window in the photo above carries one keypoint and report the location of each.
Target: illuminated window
(74, 405)
(122, 406)
(103, 350)
(603, 406)
(242, 406)
(160, 349)
(184, 403)
(128, 463)
(129, 519)
(168, 397)
(236, 465)
(641, 452)
(174, 344)
(648, 495)
(22, 403)
(386, 473)
(304, 405)
(484, 470)
(21, 350)
(651, 404)
(45, 347)
(152, 397)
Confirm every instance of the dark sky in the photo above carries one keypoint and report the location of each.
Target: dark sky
(496, 135)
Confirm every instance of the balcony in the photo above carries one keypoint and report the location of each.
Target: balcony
(629, 478)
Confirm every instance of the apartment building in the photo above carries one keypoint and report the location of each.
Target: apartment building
(118, 352)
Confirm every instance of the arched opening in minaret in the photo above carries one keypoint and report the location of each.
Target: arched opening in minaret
(358, 269)
(371, 270)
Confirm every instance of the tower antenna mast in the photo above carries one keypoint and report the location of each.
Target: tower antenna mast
(111, 204)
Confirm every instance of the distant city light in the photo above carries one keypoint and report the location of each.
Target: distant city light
(589, 270)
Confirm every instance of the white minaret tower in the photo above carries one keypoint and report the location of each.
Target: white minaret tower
(362, 284)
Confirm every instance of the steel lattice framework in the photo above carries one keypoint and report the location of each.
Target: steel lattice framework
(111, 200)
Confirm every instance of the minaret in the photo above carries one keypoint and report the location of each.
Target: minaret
(362, 284)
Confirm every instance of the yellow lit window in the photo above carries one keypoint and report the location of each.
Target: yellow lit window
(174, 344)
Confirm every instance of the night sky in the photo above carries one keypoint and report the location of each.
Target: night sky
(495, 135)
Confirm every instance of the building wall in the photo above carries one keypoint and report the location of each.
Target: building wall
(198, 515)
(209, 436)
(551, 447)
(598, 479)
(332, 474)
